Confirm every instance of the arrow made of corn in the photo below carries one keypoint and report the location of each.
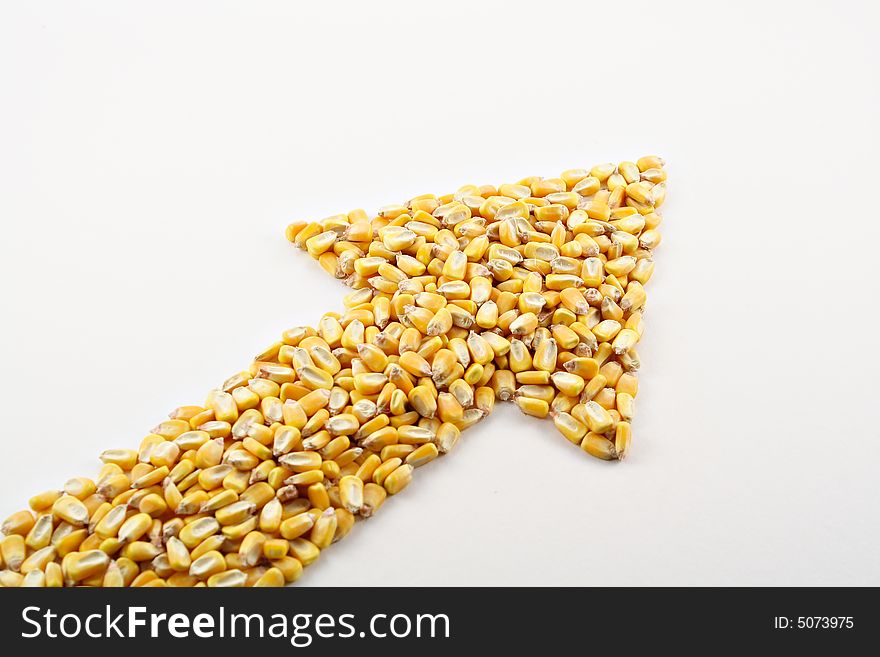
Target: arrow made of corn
(530, 292)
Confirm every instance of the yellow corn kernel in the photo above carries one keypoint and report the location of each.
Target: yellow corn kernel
(543, 392)
(71, 510)
(323, 530)
(533, 377)
(523, 324)
(622, 438)
(134, 527)
(240, 530)
(140, 551)
(305, 552)
(568, 384)
(208, 564)
(606, 330)
(503, 383)
(38, 559)
(13, 550)
(421, 455)
(251, 549)
(531, 406)
(301, 461)
(124, 458)
(82, 565)
(399, 479)
(44, 500)
(351, 493)
(473, 374)
(643, 271)
(598, 446)
(570, 427)
(596, 417)
(296, 526)
(273, 577)
(228, 579)
(399, 451)
(625, 405)
(344, 522)
(178, 555)
(197, 531)
(41, 533)
(20, 523)
(627, 383)
(612, 371)
(290, 568)
(447, 436)
(423, 401)
(593, 387)
(414, 364)
(54, 575)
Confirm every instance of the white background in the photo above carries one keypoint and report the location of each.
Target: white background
(152, 153)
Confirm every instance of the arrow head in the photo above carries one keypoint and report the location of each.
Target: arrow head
(534, 290)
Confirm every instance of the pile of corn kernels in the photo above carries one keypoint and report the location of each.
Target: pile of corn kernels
(530, 292)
